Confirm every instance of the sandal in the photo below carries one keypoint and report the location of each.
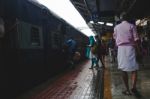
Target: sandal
(133, 90)
(126, 92)
(136, 93)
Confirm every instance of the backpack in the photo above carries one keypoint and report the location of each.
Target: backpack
(94, 49)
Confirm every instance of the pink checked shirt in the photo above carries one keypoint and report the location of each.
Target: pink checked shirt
(125, 34)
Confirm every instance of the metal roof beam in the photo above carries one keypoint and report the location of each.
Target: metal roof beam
(80, 4)
(82, 8)
(131, 5)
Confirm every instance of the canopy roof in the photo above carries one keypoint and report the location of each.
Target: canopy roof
(110, 10)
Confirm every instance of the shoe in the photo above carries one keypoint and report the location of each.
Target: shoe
(136, 93)
(134, 90)
(98, 69)
(103, 67)
(126, 92)
(91, 68)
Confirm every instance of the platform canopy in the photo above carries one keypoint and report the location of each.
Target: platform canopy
(110, 10)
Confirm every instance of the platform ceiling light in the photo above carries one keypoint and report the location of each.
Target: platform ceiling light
(138, 22)
(144, 23)
(73, 17)
(109, 24)
(92, 22)
(101, 22)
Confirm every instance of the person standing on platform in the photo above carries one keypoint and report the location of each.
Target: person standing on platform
(92, 56)
(71, 45)
(111, 49)
(101, 50)
(126, 38)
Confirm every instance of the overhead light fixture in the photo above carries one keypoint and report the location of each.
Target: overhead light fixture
(138, 22)
(92, 22)
(101, 22)
(109, 24)
(144, 23)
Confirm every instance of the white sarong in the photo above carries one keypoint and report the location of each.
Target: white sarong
(127, 59)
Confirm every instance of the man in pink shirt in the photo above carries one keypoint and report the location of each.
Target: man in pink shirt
(126, 38)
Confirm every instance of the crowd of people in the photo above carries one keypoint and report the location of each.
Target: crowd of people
(125, 47)
(97, 52)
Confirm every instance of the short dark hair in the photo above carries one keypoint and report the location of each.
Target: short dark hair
(125, 17)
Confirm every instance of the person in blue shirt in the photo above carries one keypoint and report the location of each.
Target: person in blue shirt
(72, 46)
(71, 49)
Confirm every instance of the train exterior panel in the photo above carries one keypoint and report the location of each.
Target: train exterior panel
(33, 44)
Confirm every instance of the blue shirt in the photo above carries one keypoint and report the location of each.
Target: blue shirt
(71, 45)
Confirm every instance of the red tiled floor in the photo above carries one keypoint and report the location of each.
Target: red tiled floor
(74, 84)
(81, 83)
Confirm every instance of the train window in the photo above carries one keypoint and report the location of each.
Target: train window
(55, 40)
(35, 37)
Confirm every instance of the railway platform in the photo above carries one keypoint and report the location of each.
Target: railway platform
(85, 83)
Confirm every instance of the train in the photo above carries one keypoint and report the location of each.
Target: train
(31, 47)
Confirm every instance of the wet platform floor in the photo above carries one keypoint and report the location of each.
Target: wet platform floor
(84, 83)
(143, 82)
(79, 83)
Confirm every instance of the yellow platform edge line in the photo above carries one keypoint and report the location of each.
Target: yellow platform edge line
(107, 84)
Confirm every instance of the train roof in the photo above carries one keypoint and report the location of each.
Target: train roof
(35, 2)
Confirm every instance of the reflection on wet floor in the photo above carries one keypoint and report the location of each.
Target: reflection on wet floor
(84, 83)
(143, 84)
(80, 83)
(90, 86)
